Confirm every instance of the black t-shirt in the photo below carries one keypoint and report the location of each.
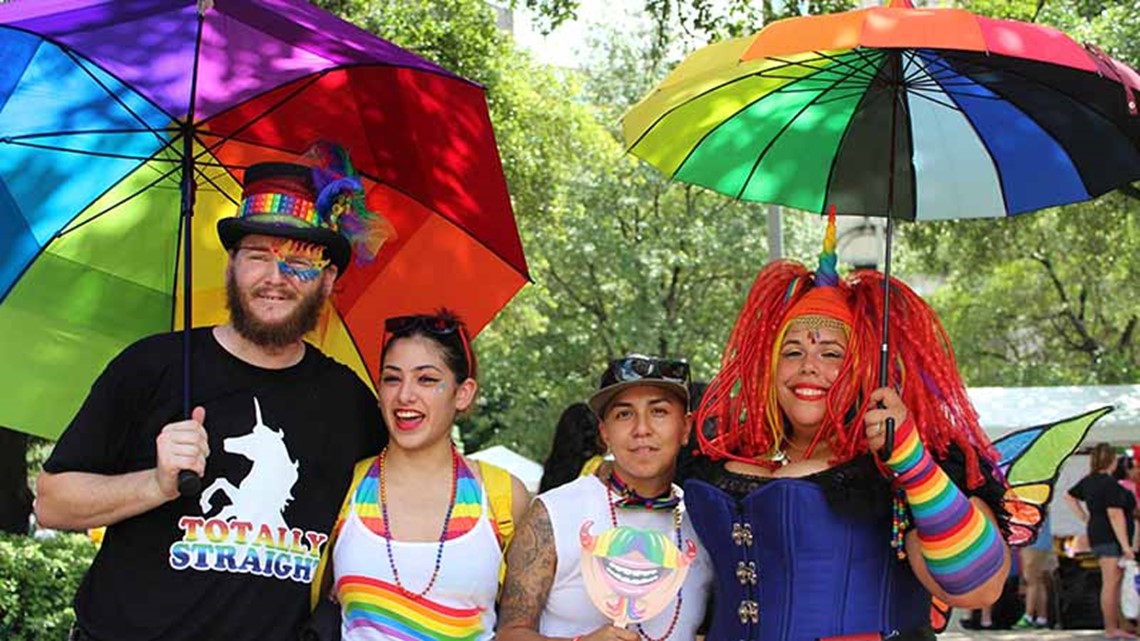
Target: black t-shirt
(1100, 492)
(236, 562)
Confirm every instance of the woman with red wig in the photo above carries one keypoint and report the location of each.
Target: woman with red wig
(815, 527)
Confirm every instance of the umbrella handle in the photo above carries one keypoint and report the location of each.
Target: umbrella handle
(189, 483)
(885, 453)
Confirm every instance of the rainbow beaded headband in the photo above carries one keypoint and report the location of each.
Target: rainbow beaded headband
(281, 208)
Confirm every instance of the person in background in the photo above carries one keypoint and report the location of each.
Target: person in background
(1105, 508)
(576, 449)
(1038, 561)
(1127, 474)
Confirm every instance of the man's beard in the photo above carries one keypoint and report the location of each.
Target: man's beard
(281, 334)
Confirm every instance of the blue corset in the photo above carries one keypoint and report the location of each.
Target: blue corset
(789, 568)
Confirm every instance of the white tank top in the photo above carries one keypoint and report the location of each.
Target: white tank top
(569, 611)
(461, 604)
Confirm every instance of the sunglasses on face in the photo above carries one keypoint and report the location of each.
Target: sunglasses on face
(636, 368)
(433, 325)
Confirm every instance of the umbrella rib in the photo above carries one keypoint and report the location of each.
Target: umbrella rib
(223, 139)
(928, 96)
(354, 91)
(767, 147)
(96, 154)
(981, 140)
(834, 96)
(211, 181)
(78, 132)
(710, 132)
(867, 99)
(761, 74)
(865, 55)
(74, 56)
(997, 95)
(934, 84)
(101, 154)
(233, 137)
(121, 201)
(835, 61)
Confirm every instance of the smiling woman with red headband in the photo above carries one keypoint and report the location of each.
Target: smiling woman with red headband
(814, 530)
(418, 545)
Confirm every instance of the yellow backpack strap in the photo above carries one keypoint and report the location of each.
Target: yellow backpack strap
(320, 585)
(500, 495)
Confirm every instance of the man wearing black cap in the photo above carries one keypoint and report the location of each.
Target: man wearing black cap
(642, 403)
(274, 433)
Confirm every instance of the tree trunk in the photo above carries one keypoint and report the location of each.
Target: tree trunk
(15, 497)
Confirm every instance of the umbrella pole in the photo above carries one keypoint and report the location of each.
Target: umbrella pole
(884, 356)
(189, 483)
(884, 349)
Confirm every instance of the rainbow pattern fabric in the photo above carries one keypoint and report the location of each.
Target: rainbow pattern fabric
(961, 546)
(281, 207)
(464, 515)
(385, 608)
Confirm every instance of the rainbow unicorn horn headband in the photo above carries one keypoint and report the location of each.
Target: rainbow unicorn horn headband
(826, 303)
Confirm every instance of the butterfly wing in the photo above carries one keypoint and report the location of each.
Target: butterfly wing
(939, 615)
(1031, 461)
(1025, 516)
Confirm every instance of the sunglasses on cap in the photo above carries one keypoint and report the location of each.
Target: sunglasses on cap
(434, 325)
(636, 367)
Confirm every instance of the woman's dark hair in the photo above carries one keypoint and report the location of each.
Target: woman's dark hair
(575, 442)
(688, 459)
(446, 330)
(1101, 457)
(1124, 465)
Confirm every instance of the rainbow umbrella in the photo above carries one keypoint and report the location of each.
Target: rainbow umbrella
(121, 118)
(915, 114)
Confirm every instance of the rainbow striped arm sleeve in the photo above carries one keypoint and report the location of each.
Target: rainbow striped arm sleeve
(961, 546)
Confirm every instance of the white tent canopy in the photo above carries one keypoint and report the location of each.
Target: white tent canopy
(1005, 409)
(527, 471)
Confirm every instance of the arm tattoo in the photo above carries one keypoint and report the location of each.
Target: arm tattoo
(531, 563)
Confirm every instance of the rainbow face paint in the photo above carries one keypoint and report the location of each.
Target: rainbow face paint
(303, 261)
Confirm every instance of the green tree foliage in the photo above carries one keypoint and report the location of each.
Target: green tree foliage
(622, 260)
(1043, 299)
(37, 582)
(1047, 298)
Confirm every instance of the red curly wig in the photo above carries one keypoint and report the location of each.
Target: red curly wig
(741, 403)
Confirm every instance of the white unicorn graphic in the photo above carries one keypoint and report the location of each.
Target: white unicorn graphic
(262, 496)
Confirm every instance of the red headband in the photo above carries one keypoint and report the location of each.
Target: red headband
(830, 302)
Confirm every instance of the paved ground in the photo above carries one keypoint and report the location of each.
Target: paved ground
(1021, 635)
(956, 633)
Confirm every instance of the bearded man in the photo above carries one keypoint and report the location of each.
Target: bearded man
(275, 429)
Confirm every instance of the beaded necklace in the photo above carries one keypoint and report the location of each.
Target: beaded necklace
(442, 534)
(625, 499)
